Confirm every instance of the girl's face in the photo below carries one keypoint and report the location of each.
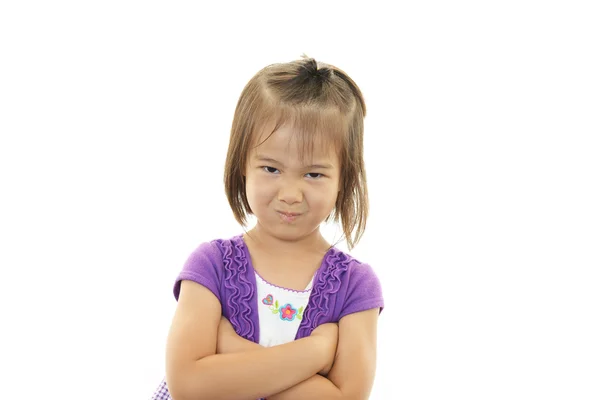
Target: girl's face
(289, 198)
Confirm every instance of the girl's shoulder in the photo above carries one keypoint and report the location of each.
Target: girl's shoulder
(351, 274)
(219, 248)
(341, 260)
(353, 284)
(214, 261)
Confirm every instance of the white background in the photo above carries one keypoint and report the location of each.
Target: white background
(483, 164)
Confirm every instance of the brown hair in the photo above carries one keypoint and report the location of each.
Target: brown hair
(318, 100)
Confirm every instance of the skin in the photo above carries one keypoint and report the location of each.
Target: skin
(194, 368)
(205, 356)
(278, 181)
(287, 251)
(228, 341)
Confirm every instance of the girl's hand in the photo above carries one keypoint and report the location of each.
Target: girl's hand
(228, 341)
(329, 332)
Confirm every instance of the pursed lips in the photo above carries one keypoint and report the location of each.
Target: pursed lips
(288, 216)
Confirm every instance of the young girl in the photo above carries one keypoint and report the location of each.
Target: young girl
(278, 312)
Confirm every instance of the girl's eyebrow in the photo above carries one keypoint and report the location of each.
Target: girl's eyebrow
(273, 161)
(267, 159)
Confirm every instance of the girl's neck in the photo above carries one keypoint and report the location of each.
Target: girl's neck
(313, 243)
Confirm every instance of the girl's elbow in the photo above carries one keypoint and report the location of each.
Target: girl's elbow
(186, 385)
(176, 387)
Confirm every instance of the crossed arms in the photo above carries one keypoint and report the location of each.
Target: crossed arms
(206, 358)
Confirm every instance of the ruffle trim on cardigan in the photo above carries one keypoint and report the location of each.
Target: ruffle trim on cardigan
(327, 283)
(239, 290)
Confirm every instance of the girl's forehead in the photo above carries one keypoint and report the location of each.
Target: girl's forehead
(289, 142)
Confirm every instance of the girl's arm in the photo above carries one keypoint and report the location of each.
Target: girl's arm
(315, 387)
(353, 371)
(357, 346)
(228, 341)
(194, 370)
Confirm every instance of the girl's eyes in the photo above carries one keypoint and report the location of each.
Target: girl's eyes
(271, 170)
(318, 175)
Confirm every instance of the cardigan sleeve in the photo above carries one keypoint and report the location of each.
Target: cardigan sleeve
(204, 267)
(363, 292)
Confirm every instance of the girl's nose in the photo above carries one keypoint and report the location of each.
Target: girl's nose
(290, 193)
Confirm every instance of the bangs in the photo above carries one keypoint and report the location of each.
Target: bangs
(313, 127)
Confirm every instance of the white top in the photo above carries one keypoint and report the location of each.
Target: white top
(280, 312)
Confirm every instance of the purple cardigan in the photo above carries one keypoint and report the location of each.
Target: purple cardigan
(342, 286)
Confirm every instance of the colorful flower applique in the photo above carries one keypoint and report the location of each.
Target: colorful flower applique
(286, 312)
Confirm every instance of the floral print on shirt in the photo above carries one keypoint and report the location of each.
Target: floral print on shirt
(286, 312)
